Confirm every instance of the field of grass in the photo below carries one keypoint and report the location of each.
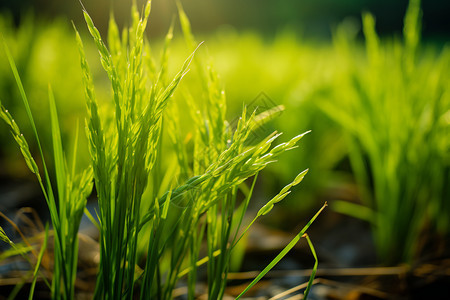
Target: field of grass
(182, 142)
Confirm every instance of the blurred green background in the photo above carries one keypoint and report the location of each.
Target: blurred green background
(378, 104)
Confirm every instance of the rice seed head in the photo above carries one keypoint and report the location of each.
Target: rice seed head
(20, 140)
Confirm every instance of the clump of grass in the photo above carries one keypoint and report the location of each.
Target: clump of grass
(126, 152)
(141, 204)
(394, 111)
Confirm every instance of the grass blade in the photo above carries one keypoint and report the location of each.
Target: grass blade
(316, 264)
(282, 253)
(38, 263)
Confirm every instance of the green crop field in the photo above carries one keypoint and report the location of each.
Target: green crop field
(185, 144)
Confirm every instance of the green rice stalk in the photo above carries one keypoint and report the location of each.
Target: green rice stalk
(284, 252)
(127, 151)
(38, 263)
(388, 119)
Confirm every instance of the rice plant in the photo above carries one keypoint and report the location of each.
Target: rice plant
(152, 222)
(72, 191)
(126, 151)
(394, 110)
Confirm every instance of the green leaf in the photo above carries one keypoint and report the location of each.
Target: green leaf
(283, 253)
(38, 263)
